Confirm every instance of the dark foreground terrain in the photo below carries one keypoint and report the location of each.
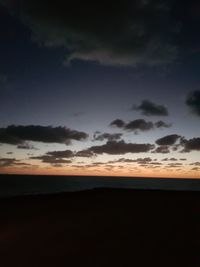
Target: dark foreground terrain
(101, 227)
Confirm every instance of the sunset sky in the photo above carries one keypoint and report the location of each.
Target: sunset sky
(100, 87)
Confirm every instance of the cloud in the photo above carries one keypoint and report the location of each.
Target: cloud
(51, 159)
(139, 125)
(162, 149)
(120, 148)
(17, 135)
(174, 165)
(195, 169)
(162, 124)
(191, 145)
(84, 153)
(170, 159)
(193, 102)
(130, 33)
(118, 123)
(26, 146)
(197, 163)
(149, 108)
(107, 136)
(56, 158)
(61, 154)
(168, 140)
(9, 162)
(124, 160)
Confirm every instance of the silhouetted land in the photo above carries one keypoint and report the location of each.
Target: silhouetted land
(101, 227)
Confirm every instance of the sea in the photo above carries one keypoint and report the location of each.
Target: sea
(17, 185)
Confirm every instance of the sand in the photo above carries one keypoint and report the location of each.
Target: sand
(101, 227)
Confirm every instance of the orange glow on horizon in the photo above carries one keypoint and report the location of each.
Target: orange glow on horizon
(102, 172)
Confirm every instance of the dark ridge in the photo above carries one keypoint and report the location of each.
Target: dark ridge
(101, 227)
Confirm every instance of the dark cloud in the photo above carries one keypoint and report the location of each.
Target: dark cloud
(118, 123)
(61, 154)
(51, 159)
(173, 159)
(124, 160)
(168, 140)
(195, 169)
(162, 149)
(56, 158)
(162, 124)
(193, 102)
(9, 162)
(139, 125)
(149, 108)
(174, 165)
(120, 148)
(197, 163)
(18, 135)
(191, 145)
(122, 32)
(170, 159)
(26, 146)
(107, 136)
(165, 159)
(84, 153)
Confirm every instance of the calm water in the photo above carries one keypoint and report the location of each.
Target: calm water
(12, 185)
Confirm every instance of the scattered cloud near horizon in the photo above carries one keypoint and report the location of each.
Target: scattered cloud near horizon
(120, 148)
(8, 162)
(139, 125)
(98, 136)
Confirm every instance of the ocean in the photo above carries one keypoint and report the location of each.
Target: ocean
(16, 185)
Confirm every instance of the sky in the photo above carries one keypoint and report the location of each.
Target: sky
(100, 88)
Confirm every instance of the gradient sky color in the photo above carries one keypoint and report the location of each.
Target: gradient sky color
(70, 72)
